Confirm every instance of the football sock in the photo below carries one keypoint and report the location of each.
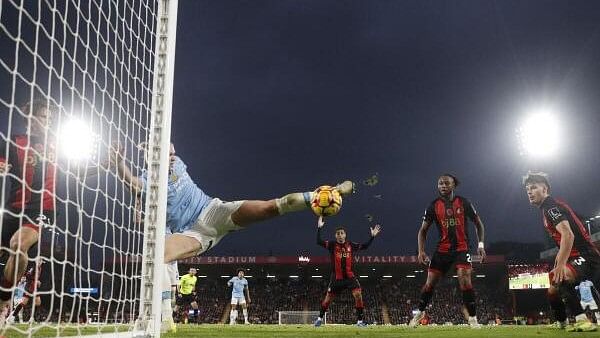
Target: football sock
(426, 295)
(294, 202)
(557, 306)
(468, 296)
(166, 310)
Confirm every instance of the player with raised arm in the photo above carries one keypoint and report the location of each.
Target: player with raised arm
(198, 222)
(450, 212)
(239, 286)
(342, 275)
(30, 166)
(586, 295)
(577, 259)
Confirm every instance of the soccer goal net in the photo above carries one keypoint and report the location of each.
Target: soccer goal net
(299, 317)
(85, 100)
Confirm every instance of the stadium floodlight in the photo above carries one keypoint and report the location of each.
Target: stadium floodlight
(363, 276)
(387, 276)
(479, 276)
(270, 276)
(317, 276)
(410, 276)
(293, 276)
(76, 140)
(540, 135)
(224, 276)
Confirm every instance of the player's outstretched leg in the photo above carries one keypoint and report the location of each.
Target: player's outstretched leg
(468, 295)
(433, 278)
(569, 295)
(252, 211)
(359, 305)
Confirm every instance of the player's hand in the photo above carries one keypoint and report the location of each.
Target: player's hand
(320, 222)
(422, 258)
(4, 168)
(375, 230)
(559, 273)
(116, 153)
(248, 300)
(481, 253)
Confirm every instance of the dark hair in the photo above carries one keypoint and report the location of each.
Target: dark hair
(36, 105)
(240, 269)
(536, 177)
(454, 178)
(341, 228)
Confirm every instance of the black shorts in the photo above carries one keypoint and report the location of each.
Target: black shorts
(442, 262)
(585, 267)
(34, 219)
(183, 300)
(338, 285)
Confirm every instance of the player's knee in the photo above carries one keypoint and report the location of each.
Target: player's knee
(38, 301)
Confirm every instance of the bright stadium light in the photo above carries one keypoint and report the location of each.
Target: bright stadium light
(540, 134)
(76, 140)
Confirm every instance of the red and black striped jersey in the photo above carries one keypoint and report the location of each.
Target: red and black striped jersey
(450, 217)
(33, 173)
(555, 211)
(341, 255)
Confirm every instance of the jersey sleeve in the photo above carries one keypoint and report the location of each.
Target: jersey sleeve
(554, 213)
(429, 215)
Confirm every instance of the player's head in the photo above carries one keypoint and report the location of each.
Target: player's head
(240, 273)
(340, 235)
(41, 112)
(447, 183)
(23, 279)
(192, 271)
(537, 186)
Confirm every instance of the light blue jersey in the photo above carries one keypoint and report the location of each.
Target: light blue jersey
(238, 286)
(20, 290)
(185, 201)
(585, 291)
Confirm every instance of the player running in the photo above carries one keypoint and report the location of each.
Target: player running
(31, 284)
(30, 166)
(187, 294)
(577, 258)
(342, 276)
(450, 212)
(198, 222)
(239, 286)
(586, 295)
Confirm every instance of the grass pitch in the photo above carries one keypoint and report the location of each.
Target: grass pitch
(328, 331)
(344, 331)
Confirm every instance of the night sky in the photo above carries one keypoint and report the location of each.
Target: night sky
(278, 96)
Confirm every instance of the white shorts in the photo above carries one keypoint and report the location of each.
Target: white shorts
(214, 223)
(592, 305)
(17, 301)
(238, 300)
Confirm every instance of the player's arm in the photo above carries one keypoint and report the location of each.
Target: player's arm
(320, 241)
(421, 240)
(247, 291)
(566, 244)
(230, 282)
(479, 228)
(118, 159)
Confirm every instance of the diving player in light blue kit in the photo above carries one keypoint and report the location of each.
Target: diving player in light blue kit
(197, 222)
(240, 286)
(586, 289)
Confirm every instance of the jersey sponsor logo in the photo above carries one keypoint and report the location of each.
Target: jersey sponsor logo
(554, 213)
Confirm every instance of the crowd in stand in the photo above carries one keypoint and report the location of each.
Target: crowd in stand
(398, 296)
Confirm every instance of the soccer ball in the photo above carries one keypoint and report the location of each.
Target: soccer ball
(327, 201)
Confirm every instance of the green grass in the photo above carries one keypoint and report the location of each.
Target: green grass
(329, 331)
(21, 330)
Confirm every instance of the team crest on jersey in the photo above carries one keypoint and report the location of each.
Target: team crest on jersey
(554, 213)
(458, 211)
